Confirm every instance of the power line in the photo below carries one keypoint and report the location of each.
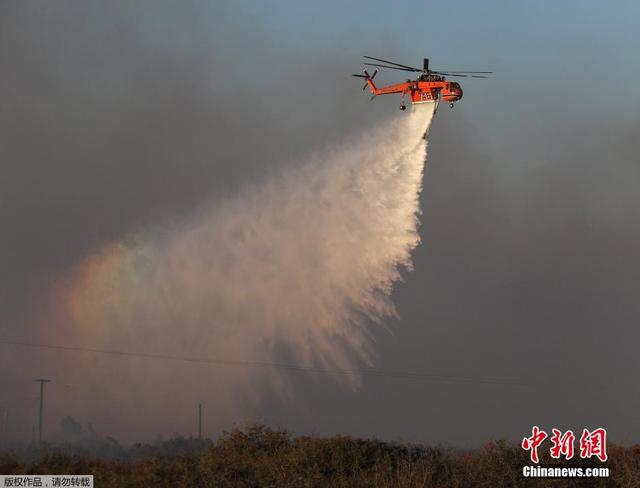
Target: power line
(14, 401)
(284, 366)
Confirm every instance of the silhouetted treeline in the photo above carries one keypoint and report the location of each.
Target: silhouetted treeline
(75, 440)
(257, 456)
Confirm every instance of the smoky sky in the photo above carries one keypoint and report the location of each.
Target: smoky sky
(114, 123)
(121, 116)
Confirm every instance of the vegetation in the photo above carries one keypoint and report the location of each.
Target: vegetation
(257, 456)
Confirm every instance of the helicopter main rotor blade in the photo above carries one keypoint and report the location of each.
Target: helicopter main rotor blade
(460, 75)
(389, 67)
(411, 68)
(450, 74)
(474, 72)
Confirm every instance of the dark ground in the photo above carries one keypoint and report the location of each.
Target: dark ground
(257, 456)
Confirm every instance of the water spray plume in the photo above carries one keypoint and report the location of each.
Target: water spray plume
(299, 267)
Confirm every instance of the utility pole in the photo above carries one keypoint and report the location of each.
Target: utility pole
(199, 420)
(5, 427)
(42, 382)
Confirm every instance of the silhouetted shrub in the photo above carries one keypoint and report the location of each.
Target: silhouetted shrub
(257, 456)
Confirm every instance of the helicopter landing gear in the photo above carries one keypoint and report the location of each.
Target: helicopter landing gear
(403, 107)
(451, 105)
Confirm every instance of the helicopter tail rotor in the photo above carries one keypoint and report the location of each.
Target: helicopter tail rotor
(367, 77)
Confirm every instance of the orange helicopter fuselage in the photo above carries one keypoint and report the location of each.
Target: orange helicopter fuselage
(420, 91)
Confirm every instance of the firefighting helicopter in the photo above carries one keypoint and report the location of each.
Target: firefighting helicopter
(430, 87)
